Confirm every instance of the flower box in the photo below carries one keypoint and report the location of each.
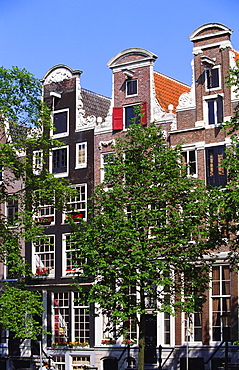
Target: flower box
(70, 344)
(44, 220)
(41, 272)
(129, 342)
(78, 344)
(60, 344)
(75, 216)
(108, 341)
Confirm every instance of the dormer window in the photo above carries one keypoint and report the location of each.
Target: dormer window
(212, 76)
(131, 87)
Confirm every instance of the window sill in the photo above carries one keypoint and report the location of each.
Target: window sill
(43, 276)
(131, 96)
(60, 174)
(82, 166)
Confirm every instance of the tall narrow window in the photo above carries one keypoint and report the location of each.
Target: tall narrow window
(215, 110)
(189, 159)
(193, 327)
(220, 298)
(106, 159)
(60, 122)
(70, 257)
(130, 325)
(44, 257)
(131, 115)
(61, 314)
(216, 173)
(81, 155)
(59, 160)
(37, 162)
(131, 87)
(77, 205)
(212, 78)
(81, 321)
(12, 210)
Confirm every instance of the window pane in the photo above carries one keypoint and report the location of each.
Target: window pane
(130, 116)
(210, 162)
(211, 112)
(59, 160)
(131, 86)
(60, 122)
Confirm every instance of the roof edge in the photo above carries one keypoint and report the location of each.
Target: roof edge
(145, 53)
(64, 72)
(223, 30)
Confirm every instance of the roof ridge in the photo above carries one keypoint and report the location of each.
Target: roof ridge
(94, 93)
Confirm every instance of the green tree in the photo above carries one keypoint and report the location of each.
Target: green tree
(228, 199)
(147, 234)
(25, 124)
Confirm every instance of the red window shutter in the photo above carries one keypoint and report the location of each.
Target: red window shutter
(144, 117)
(118, 118)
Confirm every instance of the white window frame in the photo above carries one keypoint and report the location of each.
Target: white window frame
(76, 306)
(221, 297)
(59, 361)
(67, 272)
(48, 218)
(62, 134)
(67, 317)
(83, 164)
(130, 80)
(82, 364)
(59, 174)
(206, 111)
(187, 150)
(72, 201)
(64, 311)
(188, 329)
(219, 79)
(51, 272)
(102, 167)
(37, 161)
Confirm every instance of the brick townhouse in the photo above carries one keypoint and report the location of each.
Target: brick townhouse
(88, 124)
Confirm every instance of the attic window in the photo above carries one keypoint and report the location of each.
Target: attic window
(212, 78)
(131, 87)
(61, 122)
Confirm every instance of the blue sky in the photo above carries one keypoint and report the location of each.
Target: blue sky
(86, 34)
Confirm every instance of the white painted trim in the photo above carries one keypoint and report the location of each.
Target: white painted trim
(60, 174)
(62, 134)
(219, 78)
(82, 165)
(222, 45)
(133, 64)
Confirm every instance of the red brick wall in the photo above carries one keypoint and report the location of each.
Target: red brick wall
(142, 74)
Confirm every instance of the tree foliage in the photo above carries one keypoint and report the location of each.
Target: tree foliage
(228, 199)
(25, 123)
(148, 232)
(19, 309)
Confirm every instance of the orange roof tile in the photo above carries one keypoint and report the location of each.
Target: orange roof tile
(236, 55)
(168, 90)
